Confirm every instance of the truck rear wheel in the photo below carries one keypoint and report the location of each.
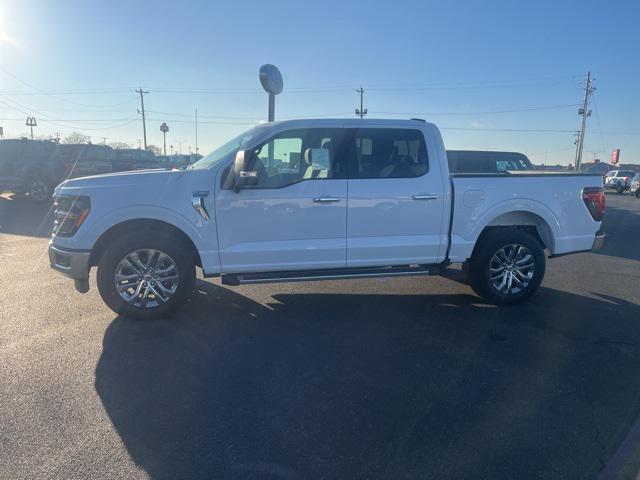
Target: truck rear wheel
(146, 275)
(507, 266)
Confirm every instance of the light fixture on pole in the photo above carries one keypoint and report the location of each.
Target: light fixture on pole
(271, 80)
(164, 128)
(31, 122)
(361, 112)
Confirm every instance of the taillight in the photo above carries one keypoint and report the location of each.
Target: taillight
(594, 199)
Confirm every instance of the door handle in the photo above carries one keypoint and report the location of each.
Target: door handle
(425, 197)
(326, 199)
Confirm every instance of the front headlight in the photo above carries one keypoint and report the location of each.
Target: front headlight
(70, 212)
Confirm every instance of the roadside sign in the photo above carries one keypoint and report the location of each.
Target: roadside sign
(615, 156)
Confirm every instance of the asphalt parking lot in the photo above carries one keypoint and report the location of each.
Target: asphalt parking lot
(399, 378)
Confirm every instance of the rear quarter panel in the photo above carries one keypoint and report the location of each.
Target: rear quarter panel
(481, 201)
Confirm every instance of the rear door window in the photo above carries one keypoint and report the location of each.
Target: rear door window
(386, 153)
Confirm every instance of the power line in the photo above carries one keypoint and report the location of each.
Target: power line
(526, 109)
(42, 92)
(44, 118)
(532, 130)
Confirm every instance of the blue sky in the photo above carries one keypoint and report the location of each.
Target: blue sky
(448, 62)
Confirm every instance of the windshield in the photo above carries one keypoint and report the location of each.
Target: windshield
(231, 147)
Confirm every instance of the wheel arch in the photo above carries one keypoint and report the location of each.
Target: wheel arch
(525, 220)
(128, 227)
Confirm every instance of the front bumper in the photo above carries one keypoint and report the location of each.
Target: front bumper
(72, 263)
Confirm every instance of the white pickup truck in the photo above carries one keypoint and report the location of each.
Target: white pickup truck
(318, 199)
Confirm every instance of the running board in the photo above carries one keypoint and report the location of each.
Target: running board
(235, 279)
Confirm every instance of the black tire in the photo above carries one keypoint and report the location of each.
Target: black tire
(489, 245)
(40, 190)
(178, 253)
(619, 189)
(638, 193)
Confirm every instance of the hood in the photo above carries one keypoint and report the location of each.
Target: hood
(122, 179)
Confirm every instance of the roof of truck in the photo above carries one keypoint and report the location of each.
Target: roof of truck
(351, 122)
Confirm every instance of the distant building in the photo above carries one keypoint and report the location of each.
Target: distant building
(597, 167)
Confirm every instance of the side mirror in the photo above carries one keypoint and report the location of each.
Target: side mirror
(243, 170)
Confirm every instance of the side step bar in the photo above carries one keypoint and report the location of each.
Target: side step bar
(235, 279)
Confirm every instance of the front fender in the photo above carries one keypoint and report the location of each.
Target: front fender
(201, 233)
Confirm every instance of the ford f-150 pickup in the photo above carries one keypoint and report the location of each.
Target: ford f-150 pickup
(318, 199)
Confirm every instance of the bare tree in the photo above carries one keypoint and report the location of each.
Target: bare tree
(154, 149)
(76, 137)
(118, 145)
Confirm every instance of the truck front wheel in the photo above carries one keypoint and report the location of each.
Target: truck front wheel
(146, 275)
(507, 266)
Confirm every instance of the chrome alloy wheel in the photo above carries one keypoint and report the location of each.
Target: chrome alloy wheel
(511, 268)
(38, 190)
(146, 278)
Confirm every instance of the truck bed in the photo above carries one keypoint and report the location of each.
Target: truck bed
(549, 201)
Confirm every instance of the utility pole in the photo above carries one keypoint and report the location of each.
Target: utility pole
(144, 123)
(361, 112)
(57, 137)
(104, 140)
(585, 112)
(196, 131)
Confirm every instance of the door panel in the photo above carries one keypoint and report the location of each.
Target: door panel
(387, 226)
(395, 216)
(284, 228)
(295, 217)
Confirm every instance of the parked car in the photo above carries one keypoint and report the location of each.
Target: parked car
(178, 160)
(134, 159)
(319, 199)
(474, 161)
(26, 167)
(634, 187)
(619, 180)
(35, 167)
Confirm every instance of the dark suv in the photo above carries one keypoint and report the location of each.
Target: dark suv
(35, 167)
(474, 161)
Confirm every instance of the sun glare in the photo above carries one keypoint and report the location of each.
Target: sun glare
(5, 38)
